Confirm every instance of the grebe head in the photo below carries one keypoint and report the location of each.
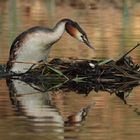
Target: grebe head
(77, 32)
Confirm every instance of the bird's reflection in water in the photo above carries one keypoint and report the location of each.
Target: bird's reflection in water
(39, 109)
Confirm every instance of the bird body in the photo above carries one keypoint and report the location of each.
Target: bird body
(34, 45)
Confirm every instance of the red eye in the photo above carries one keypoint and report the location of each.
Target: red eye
(82, 36)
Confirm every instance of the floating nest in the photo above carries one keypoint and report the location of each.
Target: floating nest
(115, 76)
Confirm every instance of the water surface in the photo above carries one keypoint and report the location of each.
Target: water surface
(27, 113)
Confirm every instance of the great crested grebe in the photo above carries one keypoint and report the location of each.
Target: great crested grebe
(33, 45)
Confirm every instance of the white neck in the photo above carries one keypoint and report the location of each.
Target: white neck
(58, 30)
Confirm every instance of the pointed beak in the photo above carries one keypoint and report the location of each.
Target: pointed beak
(89, 44)
(86, 41)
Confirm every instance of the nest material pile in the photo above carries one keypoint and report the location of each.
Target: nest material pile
(89, 70)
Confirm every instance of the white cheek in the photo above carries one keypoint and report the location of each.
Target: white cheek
(78, 36)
